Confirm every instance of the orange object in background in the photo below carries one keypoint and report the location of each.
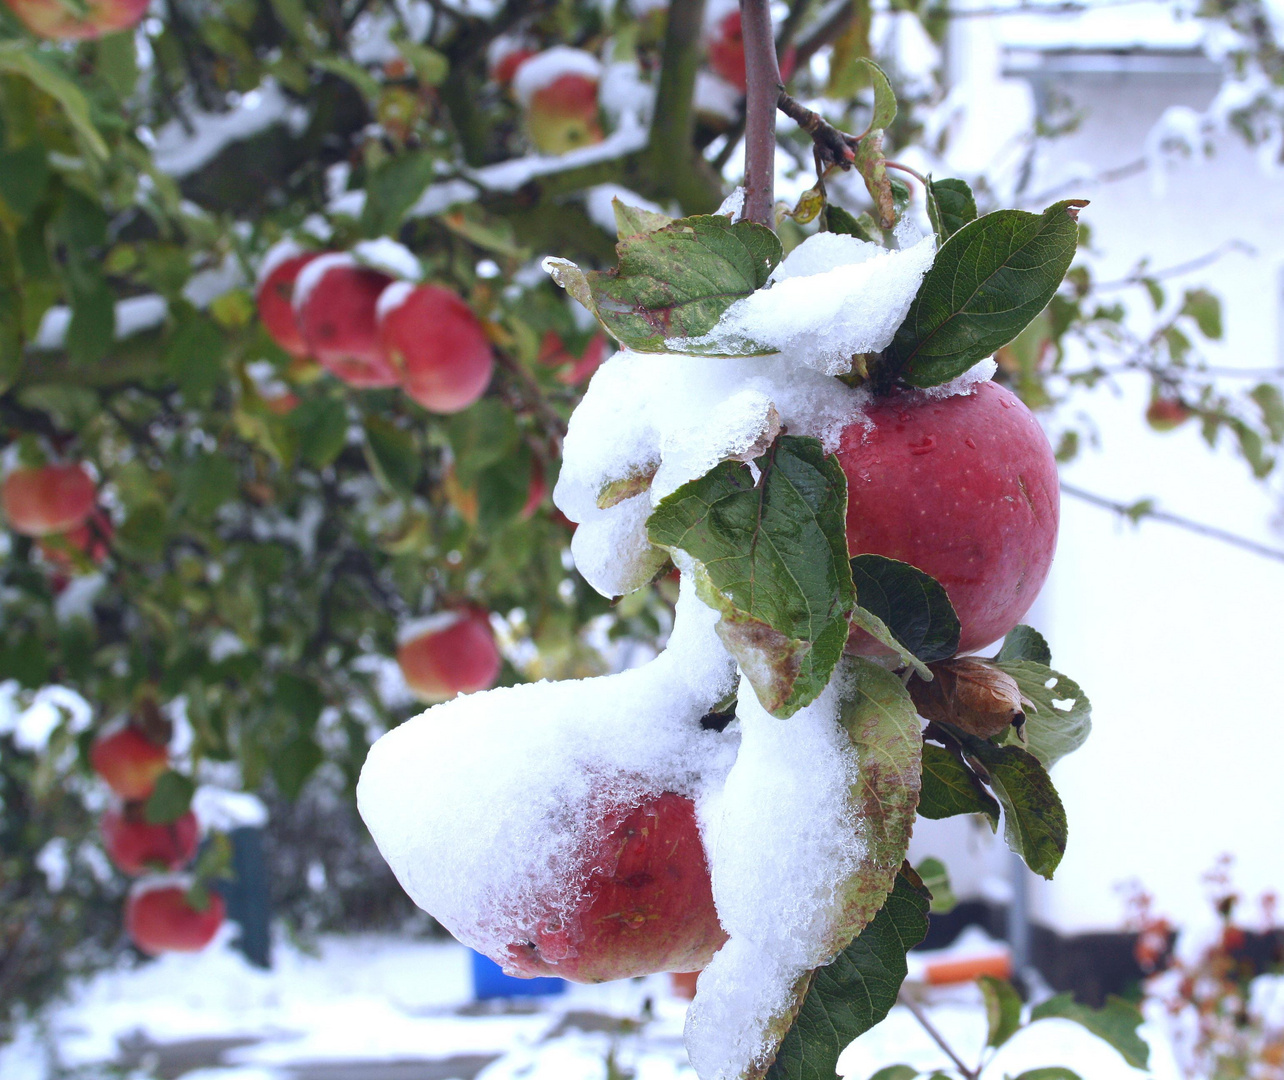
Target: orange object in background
(947, 972)
(683, 983)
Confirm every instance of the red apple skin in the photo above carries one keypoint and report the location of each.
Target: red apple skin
(47, 499)
(57, 21)
(727, 54)
(506, 66)
(1165, 414)
(563, 115)
(129, 762)
(647, 906)
(444, 355)
(160, 920)
(462, 658)
(275, 299)
(965, 488)
(136, 846)
(89, 538)
(337, 320)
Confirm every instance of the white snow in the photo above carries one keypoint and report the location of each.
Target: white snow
(545, 69)
(224, 810)
(392, 298)
(133, 315)
(179, 153)
(482, 805)
(624, 95)
(429, 624)
(32, 719)
(389, 256)
(276, 255)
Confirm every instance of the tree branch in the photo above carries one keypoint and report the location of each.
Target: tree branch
(835, 147)
(917, 1010)
(762, 72)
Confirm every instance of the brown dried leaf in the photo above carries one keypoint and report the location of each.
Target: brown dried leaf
(971, 694)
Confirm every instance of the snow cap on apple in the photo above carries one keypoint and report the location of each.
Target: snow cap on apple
(558, 91)
(335, 298)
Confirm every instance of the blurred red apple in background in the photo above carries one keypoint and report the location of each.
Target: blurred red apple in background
(727, 53)
(129, 762)
(162, 917)
(86, 542)
(135, 845)
(558, 91)
(1165, 414)
(438, 343)
(275, 296)
(963, 487)
(47, 499)
(646, 902)
(335, 299)
(448, 654)
(62, 21)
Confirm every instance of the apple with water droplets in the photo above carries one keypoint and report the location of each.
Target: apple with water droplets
(645, 902)
(963, 487)
(448, 654)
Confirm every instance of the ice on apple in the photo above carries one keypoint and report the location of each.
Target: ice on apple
(496, 811)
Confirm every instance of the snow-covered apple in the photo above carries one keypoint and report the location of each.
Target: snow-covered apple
(136, 845)
(61, 21)
(727, 53)
(164, 916)
(275, 296)
(963, 487)
(438, 343)
(558, 91)
(335, 300)
(646, 902)
(129, 762)
(47, 499)
(448, 654)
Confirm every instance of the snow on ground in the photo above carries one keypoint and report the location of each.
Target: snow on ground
(377, 1008)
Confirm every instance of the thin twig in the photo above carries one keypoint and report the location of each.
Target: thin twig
(1179, 269)
(836, 147)
(762, 72)
(1139, 511)
(1109, 176)
(927, 1025)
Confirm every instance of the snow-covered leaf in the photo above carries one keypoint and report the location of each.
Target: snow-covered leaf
(1025, 643)
(1002, 1009)
(912, 604)
(675, 281)
(771, 554)
(857, 990)
(950, 206)
(1116, 1023)
(1061, 717)
(950, 788)
(989, 280)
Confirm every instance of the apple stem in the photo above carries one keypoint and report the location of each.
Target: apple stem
(762, 77)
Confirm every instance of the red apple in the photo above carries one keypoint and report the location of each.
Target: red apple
(62, 21)
(448, 654)
(335, 300)
(965, 488)
(162, 917)
(505, 57)
(47, 499)
(646, 902)
(275, 296)
(438, 343)
(1164, 414)
(129, 762)
(86, 542)
(575, 370)
(135, 845)
(727, 53)
(558, 91)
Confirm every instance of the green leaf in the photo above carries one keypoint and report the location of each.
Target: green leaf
(294, 763)
(674, 282)
(170, 799)
(895, 1072)
(24, 178)
(117, 62)
(950, 206)
(857, 990)
(878, 715)
(205, 483)
(1205, 308)
(393, 190)
(872, 166)
(365, 83)
(1061, 717)
(1271, 402)
(912, 604)
(15, 58)
(1025, 643)
(1050, 1072)
(1002, 1009)
(1034, 821)
(293, 16)
(431, 66)
(480, 436)
(634, 221)
(195, 355)
(1116, 1023)
(884, 95)
(502, 490)
(838, 220)
(951, 788)
(93, 322)
(772, 559)
(322, 425)
(989, 280)
(936, 879)
(393, 455)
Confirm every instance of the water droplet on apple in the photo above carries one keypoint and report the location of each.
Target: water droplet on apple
(926, 446)
(971, 442)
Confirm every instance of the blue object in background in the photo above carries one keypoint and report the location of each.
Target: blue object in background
(489, 981)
